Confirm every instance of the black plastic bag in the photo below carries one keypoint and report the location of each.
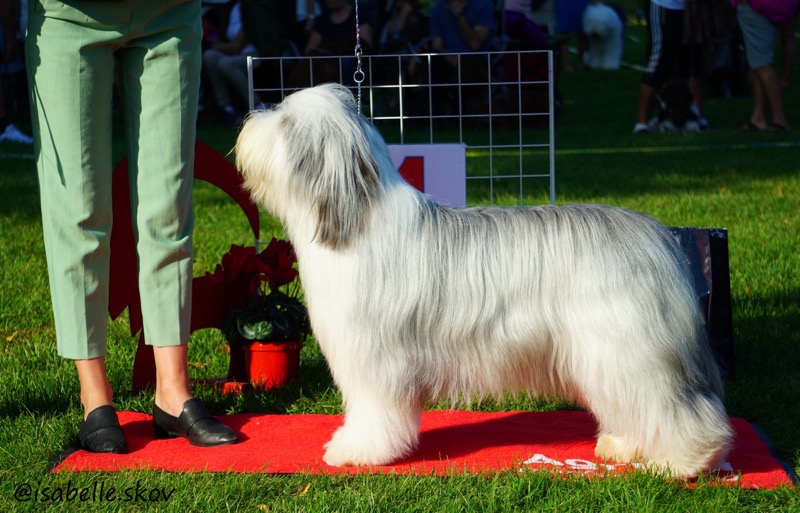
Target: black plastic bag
(707, 252)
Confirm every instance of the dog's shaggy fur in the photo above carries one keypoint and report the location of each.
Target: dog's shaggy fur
(604, 30)
(412, 300)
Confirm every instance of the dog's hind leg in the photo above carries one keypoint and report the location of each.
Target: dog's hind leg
(692, 437)
(662, 415)
(378, 430)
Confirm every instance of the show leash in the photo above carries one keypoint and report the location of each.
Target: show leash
(358, 75)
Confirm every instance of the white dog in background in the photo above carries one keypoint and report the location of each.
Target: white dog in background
(411, 300)
(604, 31)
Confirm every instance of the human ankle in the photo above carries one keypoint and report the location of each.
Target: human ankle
(95, 399)
(171, 399)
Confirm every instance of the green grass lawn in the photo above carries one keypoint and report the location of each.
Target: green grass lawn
(748, 183)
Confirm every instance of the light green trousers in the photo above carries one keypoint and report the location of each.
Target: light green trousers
(76, 51)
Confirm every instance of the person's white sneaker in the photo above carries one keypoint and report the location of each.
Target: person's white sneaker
(13, 134)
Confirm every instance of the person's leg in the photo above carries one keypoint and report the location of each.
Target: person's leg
(657, 65)
(234, 69)
(566, 59)
(71, 117)
(159, 82)
(760, 38)
(758, 116)
(696, 60)
(581, 44)
(95, 389)
(172, 378)
(644, 105)
(100, 430)
(8, 130)
(216, 77)
(773, 92)
(697, 87)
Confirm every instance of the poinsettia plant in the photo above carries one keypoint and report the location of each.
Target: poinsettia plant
(267, 289)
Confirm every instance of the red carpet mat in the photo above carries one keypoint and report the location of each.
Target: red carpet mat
(451, 442)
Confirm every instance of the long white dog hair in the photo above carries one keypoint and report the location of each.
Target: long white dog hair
(604, 31)
(411, 300)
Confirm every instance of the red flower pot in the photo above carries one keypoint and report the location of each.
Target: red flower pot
(271, 364)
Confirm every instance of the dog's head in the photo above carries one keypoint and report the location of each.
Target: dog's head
(312, 156)
(600, 22)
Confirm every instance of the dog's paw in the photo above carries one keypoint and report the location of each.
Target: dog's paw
(612, 448)
(349, 449)
(338, 456)
(339, 453)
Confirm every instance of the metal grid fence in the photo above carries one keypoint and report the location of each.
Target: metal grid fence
(500, 105)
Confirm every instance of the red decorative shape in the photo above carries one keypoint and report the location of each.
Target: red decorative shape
(210, 301)
(413, 171)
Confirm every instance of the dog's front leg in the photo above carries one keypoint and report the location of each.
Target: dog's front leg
(378, 429)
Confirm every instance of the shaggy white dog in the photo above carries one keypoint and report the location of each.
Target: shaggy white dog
(412, 300)
(604, 31)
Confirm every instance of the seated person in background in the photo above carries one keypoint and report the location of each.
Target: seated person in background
(569, 20)
(406, 28)
(255, 28)
(521, 25)
(543, 13)
(524, 33)
(333, 34)
(225, 66)
(13, 100)
(462, 27)
(305, 14)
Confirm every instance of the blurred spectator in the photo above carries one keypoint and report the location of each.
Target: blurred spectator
(569, 20)
(305, 14)
(268, 23)
(521, 25)
(669, 59)
(13, 19)
(727, 73)
(761, 24)
(524, 33)
(543, 13)
(461, 26)
(254, 28)
(333, 35)
(459, 29)
(407, 26)
(225, 65)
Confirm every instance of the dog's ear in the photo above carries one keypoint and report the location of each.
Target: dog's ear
(345, 203)
(335, 166)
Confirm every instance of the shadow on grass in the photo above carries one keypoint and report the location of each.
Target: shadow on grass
(767, 388)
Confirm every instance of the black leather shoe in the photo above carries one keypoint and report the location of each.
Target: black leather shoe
(194, 423)
(101, 432)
